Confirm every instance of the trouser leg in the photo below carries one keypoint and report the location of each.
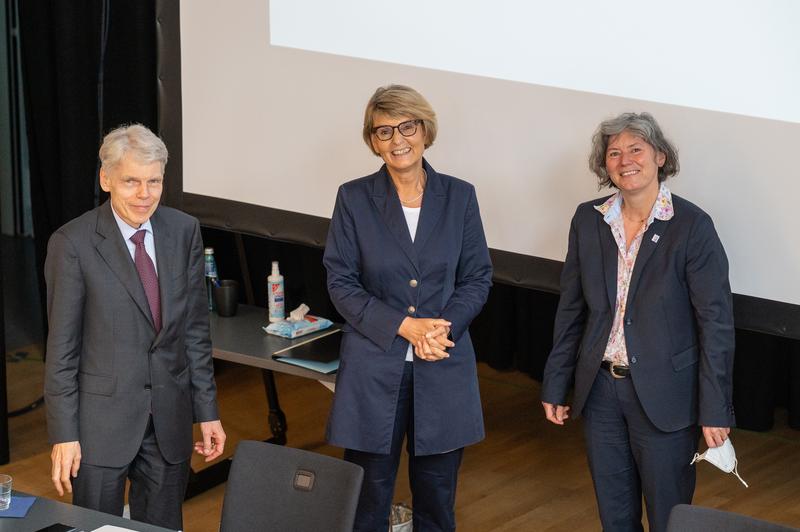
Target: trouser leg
(433, 479)
(100, 488)
(380, 470)
(157, 486)
(377, 489)
(433, 488)
(614, 473)
(662, 459)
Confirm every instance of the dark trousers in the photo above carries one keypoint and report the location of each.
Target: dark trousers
(157, 487)
(629, 456)
(433, 478)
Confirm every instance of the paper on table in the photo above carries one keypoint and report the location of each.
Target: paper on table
(19, 506)
(112, 528)
(319, 353)
(313, 365)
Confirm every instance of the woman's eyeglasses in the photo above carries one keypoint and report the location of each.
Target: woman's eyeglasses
(407, 129)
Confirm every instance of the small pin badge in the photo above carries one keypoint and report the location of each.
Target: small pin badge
(655, 238)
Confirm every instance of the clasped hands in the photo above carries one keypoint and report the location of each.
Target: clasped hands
(428, 336)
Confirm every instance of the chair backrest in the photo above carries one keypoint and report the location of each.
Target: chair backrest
(271, 487)
(686, 518)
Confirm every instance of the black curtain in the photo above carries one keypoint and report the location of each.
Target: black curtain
(88, 66)
(4, 450)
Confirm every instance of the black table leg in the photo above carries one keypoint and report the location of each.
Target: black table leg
(204, 480)
(277, 419)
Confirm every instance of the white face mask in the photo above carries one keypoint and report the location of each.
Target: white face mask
(724, 457)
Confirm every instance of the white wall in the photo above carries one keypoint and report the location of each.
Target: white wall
(278, 126)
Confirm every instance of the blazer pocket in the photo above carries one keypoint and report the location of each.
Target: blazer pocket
(182, 378)
(685, 358)
(96, 384)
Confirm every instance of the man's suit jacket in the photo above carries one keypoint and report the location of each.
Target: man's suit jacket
(678, 320)
(107, 369)
(377, 277)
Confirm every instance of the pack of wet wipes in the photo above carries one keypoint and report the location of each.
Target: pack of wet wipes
(723, 457)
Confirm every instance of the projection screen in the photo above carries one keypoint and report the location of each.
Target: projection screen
(270, 98)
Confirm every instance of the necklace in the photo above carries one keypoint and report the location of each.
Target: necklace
(413, 199)
(643, 220)
(424, 181)
(636, 220)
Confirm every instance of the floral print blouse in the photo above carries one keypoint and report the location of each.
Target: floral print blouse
(616, 351)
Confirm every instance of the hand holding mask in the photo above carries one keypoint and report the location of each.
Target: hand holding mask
(723, 457)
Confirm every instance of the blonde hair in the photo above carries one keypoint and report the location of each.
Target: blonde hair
(399, 101)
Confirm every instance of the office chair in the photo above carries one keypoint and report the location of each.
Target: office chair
(686, 518)
(271, 487)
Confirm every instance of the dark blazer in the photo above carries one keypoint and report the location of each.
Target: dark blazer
(377, 277)
(106, 367)
(678, 321)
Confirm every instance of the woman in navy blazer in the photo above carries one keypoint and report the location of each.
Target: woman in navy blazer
(644, 327)
(408, 269)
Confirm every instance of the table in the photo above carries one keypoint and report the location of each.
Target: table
(242, 340)
(46, 512)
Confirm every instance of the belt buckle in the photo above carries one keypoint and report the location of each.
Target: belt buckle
(611, 367)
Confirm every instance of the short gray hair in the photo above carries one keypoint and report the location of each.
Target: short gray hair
(644, 126)
(135, 140)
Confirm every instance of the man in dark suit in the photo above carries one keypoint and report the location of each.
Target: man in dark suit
(128, 352)
(644, 327)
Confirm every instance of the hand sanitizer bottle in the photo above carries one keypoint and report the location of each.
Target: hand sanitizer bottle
(277, 310)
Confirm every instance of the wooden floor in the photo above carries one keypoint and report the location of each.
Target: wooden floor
(527, 475)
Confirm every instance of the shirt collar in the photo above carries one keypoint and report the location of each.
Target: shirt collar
(128, 231)
(662, 209)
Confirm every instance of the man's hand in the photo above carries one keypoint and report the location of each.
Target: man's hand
(716, 436)
(213, 443)
(66, 458)
(555, 413)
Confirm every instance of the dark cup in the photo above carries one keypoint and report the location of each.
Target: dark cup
(226, 296)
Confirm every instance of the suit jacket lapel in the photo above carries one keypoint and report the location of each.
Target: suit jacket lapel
(385, 199)
(165, 259)
(608, 247)
(646, 250)
(116, 254)
(433, 204)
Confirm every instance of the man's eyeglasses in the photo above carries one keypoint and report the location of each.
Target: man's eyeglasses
(407, 129)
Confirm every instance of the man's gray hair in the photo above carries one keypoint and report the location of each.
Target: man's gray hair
(144, 146)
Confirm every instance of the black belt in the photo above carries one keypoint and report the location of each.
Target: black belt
(618, 372)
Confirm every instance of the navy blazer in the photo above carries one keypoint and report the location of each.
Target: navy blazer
(678, 321)
(377, 277)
